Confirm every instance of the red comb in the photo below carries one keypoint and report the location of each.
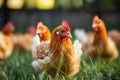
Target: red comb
(66, 25)
(9, 25)
(95, 19)
(39, 24)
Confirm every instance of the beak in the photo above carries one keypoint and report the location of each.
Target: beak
(94, 25)
(69, 35)
(38, 31)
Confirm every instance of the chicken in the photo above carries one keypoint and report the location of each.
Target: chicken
(84, 37)
(43, 32)
(31, 30)
(115, 36)
(24, 41)
(102, 45)
(48, 55)
(6, 41)
(81, 35)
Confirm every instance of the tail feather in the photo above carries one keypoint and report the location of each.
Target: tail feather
(78, 48)
(76, 59)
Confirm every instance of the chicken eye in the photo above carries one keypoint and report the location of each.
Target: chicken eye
(42, 29)
(62, 31)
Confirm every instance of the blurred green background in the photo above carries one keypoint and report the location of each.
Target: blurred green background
(79, 13)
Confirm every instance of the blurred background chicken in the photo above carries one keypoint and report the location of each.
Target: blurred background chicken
(24, 41)
(81, 35)
(31, 30)
(115, 36)
(47, 55)
(102, 45)
(84, 37)
(6, 41)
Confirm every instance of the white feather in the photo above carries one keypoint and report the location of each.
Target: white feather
(77, 48)
(36, 42)
(47, 50)
(36, 66)
(81, 35)
(40, 64)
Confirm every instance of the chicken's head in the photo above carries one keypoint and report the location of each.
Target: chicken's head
(98, 24)
(31, 30)
(63, 32)
(41, 30)
(8, 27)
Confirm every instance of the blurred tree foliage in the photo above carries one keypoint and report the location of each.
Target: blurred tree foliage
(72, 4)
(107, 4)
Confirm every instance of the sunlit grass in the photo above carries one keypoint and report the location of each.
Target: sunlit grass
(18, 67)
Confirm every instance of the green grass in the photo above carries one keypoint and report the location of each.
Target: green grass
(18, 67)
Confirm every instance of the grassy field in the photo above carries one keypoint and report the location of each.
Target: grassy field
(18, 67)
